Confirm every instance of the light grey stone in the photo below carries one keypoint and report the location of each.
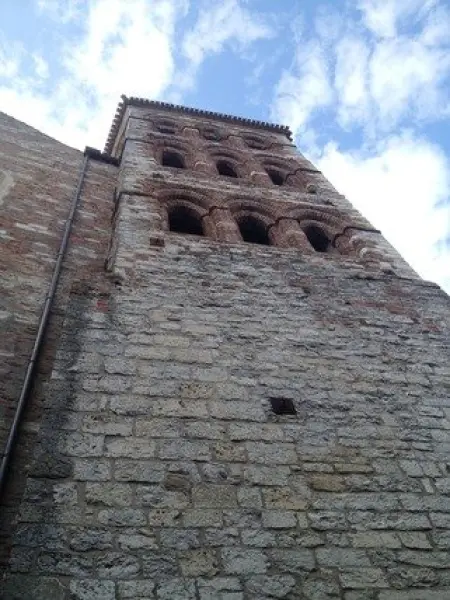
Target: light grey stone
(92, 589)
(243, 562)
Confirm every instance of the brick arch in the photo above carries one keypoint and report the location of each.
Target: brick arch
(165, 125)
(218, 153)
(200, 203)
(286, 168)
(212, 133)
(177, 146)
(240, 208)
(255, 141)
(332, 223)
(175, 204)
(297, 179)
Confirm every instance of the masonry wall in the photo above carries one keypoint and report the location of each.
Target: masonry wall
(163, 472)
(158, 468)
(38, 178)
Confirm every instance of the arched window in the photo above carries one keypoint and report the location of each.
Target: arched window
(276, 177)
(172, 159)
(253, 141)
(166, 127)
(184, 220)
(317, 238)
(224, 168)
(211, 133)
(253, 231)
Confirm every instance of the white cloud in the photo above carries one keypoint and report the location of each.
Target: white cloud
(124, 48)
(406, 79)
(10, 58)
(227, 22)
(120, 48)
(62, 11)
(383, 17)
(351, 79)
(300, 93)
(377, 82)
(40, 66)
(397, 186)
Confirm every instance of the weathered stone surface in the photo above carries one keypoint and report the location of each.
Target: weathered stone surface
(243, 562)
(154, 465)
(89, 589)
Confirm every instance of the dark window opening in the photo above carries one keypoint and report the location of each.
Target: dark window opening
(224, 168)
(317, 239)
(172, 159)
(183, 220)
(212, 134)
(276, 177)
(253, 231)
(283, 406)
(254, 142)
(166, 127)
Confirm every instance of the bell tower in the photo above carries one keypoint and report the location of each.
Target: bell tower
(244, 393)
(234, 180)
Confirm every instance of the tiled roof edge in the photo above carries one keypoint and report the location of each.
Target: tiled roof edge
(132, 101)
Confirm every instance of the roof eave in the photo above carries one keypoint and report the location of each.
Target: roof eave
(132, 101)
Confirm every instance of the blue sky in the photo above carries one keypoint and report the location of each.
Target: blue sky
(364, 85)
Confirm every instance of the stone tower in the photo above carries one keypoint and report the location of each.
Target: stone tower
(241, 391)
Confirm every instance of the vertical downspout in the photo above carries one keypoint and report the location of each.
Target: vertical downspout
(28, 380)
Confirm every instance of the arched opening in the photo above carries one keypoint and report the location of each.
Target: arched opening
(276, 177)
(166, 127)
(172, 159)
(255, 142)
(317, 238)
(210, 133)
(184, 220)
(224, 168)
(253, 231)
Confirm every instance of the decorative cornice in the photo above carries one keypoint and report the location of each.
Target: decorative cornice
(132, 101)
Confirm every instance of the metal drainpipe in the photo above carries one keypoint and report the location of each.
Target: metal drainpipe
(28, 380)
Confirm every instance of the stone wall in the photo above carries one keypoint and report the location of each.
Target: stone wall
(157, 467)
(38, 178)
(162, 471)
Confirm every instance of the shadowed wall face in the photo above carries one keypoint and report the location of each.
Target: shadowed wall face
(164, 466)
(38, 178)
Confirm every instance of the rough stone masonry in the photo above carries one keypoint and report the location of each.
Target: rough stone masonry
(153, 461)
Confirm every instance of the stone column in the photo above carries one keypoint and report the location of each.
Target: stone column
(226, 228)
(202, 162)
(257, 173)
(287, 233)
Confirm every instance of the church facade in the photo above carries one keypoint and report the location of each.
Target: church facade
(218, 379)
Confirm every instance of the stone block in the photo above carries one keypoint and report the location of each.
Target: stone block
(214, 496)
(135, 590)
(243, 562)
(129, 448)
(184, 449)
(279, 519)
(363, 578)
(197, 563)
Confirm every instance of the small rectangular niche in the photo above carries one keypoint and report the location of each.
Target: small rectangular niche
(283, 406)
